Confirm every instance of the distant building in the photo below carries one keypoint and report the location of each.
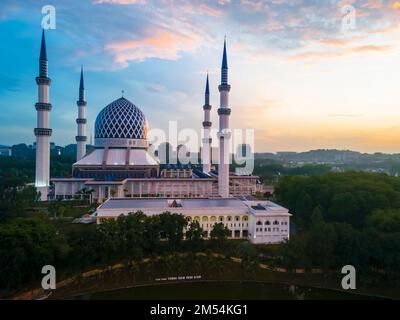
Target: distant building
(5, 151)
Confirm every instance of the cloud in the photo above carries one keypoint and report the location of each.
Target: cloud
(200, 9)
(162, 44)
(314, 55)
(373, 4)
(155, 88)
(370, 48)
(123, 2)
(318, 55)
(187, 7)
(396, 5)
(345, 115)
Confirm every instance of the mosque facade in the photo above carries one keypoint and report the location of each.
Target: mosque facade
(122, 175)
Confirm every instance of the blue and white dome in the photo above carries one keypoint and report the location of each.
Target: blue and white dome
(120, 121)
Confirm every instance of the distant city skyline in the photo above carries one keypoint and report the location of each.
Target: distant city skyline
(297, 79)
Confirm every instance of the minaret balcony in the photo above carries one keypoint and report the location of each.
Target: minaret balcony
(81, 121)
(207, 124)
(224, 87)
(224, 111)
(81, 103)
(224, 134)
(43, 131)
(206, 107)
(43, 80)
(81, 138)
(41, 106)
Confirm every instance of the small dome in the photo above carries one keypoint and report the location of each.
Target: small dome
(121, 119)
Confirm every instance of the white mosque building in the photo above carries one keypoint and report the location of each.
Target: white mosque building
(123, 176)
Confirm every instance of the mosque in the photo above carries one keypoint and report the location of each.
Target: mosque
(123, 176)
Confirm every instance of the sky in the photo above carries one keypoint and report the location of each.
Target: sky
(305, 74)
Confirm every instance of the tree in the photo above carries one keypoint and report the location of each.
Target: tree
(132, 227)
(84, 248)
(172, 226)
(351, 247)
(344, 208)
(321, 241)
(348, 197)
(293, 254)
(384, 220)
(15, 199)
(109, 240)
(219, 234)
(248, 254)
(26, 245)
(194, 235)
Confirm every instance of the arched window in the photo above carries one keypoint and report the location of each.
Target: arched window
(259, 223)
(268, 223)
(276, 222)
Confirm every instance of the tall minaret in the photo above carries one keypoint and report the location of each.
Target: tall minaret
(81, 122)
(224, 134)
(43, 132)
(206, 149)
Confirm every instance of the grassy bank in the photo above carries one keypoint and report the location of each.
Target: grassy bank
(209, 267)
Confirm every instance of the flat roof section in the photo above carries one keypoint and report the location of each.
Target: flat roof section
(116, 203)
(134, 203)
(207, 203)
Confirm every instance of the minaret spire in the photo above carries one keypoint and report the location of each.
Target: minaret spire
(224, 134)
(43, 52)
(43, 131)
(81, 87)
(43, 64)
(207, 93)
(206, 148)
(224, 67)
(81, 84)
(81, 138)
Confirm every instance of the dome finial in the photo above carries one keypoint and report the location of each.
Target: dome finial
(122, 93)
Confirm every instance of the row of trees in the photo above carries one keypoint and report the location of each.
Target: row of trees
(27, 244)
(341, 197)
(271, 171)
(136, 235)
(21, 170)
(340, 219)
(16, 198)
